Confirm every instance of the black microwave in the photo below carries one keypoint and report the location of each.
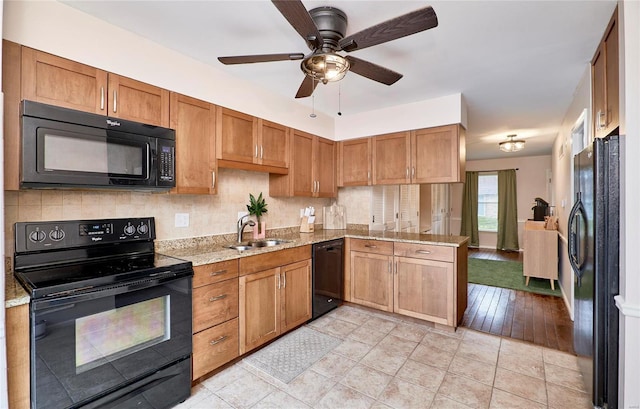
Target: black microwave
(66, 148)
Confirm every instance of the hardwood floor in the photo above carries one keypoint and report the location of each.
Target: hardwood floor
(540, 319)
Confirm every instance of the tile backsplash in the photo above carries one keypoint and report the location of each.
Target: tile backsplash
(208, 215)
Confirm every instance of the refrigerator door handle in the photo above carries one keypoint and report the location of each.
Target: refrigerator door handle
(577, 212)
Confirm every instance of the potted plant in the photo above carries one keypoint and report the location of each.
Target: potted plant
(257, 207)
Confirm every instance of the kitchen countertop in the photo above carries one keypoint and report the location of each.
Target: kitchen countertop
(213, 253)
(15, 295)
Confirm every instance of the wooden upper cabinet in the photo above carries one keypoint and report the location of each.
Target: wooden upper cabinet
(273, 141)
(438, 154)
(324, 168)
(137, 101)
(354, 162)
(391, 158)
(194, 121)
(605, 81)
(250, 143)
(57, 81)
(312, 168)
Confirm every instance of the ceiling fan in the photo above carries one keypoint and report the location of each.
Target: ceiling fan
(323, 28)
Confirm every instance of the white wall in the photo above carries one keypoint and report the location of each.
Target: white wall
(531, 183)
(629, 300)
(562, 169)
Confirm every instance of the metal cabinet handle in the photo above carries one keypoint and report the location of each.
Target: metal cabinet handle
(115, 101)
(213, 179)
(601, 124)
(261, 151)
(256, 152)
(368, 175)
(284, 280)
(278, 281)
(318, 190)
(101, 98)
(219, 340)
(371, 246)
(396, 268)
(218, 297)
(407, 173)
(413, 172)
(217, 273)
(423, 251)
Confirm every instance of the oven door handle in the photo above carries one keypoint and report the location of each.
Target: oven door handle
(100, 292)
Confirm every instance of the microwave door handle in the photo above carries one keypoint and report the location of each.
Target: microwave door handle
(149, 159)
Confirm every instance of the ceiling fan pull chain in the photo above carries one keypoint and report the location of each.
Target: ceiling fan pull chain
(313, 100)
(339, 100)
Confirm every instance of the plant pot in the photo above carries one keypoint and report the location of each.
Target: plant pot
(259, 230)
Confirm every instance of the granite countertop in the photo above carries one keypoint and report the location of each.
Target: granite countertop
(14, 294)
(216, 252)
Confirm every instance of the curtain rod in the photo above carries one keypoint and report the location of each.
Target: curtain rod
(488, 171)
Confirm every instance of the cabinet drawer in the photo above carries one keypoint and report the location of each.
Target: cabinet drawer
(372, 246)
(425, 251)
(214, 347)
(215, 303)
(213, 273)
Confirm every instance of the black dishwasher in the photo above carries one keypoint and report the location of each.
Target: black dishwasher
(327, 276)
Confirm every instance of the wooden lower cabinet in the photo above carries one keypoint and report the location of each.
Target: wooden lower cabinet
(215, 316)
(424, 289)
(18, 364)
(371, 280)
(214, 347)
(273, 302)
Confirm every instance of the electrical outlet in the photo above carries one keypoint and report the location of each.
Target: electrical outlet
(182, 220)
(242, 214)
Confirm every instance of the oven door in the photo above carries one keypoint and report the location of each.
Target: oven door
(62, 154)
(90, 346)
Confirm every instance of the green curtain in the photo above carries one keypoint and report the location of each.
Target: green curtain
(507, 211)
(469, 226)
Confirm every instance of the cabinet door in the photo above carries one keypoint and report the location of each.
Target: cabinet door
(354, 162)
(259, 308)
(391, 158)
(236, 136)
(612, 75)
(61, 82)
(325, 168)
(371, 283)
(274, 144)
(194, 122)
(599, 92)
(137, 101)
(18, 363)
(302, 164)
(424, 289)
(435, 155)
(295, 294)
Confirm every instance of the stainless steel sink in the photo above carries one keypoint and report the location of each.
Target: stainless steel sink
(240, 247)
(267, 242)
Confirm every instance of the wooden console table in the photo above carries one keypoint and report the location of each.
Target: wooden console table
(540, 252)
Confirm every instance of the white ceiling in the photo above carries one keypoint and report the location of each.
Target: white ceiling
(517, 63)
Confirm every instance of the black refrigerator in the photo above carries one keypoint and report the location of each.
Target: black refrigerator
(594, 225)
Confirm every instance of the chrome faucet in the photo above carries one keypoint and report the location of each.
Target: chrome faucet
(242, 225)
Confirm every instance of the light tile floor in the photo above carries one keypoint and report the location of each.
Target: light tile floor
(386, 362)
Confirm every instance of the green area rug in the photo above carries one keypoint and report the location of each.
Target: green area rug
(507, 274)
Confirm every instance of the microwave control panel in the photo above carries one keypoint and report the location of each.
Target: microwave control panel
(167, 164)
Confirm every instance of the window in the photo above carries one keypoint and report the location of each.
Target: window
(488, 202)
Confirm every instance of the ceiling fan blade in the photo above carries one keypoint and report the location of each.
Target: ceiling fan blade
(402, 26)
(300, 19)
(307, 87)
(373, 71)
(247, 59)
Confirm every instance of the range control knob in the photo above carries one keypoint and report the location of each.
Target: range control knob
(56, 234)
(129, 229)
(143, 228)
(37, 236)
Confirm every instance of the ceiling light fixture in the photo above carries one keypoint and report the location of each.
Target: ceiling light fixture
(325, 67)
(511, 145)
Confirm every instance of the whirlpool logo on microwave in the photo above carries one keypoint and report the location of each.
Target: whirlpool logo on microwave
(112, 123)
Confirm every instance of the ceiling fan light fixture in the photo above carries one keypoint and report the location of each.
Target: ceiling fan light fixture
(325, 67)
(511, 145)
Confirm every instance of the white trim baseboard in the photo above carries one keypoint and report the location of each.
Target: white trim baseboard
(628, 310)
